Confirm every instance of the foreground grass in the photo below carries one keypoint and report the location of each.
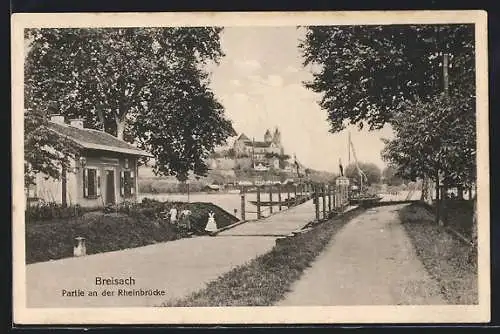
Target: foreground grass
(265, 280)
(444, 257)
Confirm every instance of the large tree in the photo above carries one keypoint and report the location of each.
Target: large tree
(367, 73)
(144, 85)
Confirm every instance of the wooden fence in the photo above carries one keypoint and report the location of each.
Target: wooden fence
(327, 198)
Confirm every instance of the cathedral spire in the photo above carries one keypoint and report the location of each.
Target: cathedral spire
(277, 136)
(267, 136)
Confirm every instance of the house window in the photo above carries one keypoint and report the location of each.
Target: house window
(127, 183)
(91, 182)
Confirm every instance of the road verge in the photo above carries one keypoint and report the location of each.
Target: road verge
(445, 257)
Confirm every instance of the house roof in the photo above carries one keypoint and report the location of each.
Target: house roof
(261, 144)
(243, 137)
(96, 140)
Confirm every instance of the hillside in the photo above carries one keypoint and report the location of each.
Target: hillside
(223, 171)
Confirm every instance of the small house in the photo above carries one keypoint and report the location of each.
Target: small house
(104, 173)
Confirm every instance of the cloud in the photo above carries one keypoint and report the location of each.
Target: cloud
(274, 80)
(235, 82)
(291, 69)
(249, 65)
(240, 97)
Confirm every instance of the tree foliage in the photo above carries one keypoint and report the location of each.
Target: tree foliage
(367, 73)
(391, 177)
(431, 137)
(372, 172)
(45, 151)
(145, 85)
(377, 75)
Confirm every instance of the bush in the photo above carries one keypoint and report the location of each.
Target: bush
(162, 186)
(103, 233)
(48, 211)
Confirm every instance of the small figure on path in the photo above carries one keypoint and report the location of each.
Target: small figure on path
(211, 224)
(186, 218)
(173, 215)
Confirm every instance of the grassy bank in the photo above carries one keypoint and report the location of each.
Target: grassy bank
(265, 280)
(445, 257)
(129, 227)
(458, 215)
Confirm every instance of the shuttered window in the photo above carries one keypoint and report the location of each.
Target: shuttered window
(127, 183)
(91, 182)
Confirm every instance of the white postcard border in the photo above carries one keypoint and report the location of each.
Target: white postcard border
(249, 315)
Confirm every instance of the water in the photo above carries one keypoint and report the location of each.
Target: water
(227, 201)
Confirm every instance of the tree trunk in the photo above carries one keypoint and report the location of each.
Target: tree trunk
(120, 128)
(460, 192)
(438, 220)
(100, 115)
(427, 190)
(423, 194)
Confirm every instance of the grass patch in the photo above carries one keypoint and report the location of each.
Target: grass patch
(444, 257)
(265, 280)
(458, 215)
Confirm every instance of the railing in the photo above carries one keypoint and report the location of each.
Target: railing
(328, 199)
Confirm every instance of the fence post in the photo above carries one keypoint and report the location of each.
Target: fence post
(243, 205)
(316, 201)
(288, 196)
(279, 197)
(270, 199)
(329, 199)
(295, 198)
(324, 200)
(258, 203)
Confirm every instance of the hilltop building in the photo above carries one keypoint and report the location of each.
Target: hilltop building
(263, 153)
(244, 146)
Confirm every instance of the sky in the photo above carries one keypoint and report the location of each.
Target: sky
(259, 82)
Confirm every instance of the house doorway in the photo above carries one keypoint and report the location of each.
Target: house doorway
(110, 187)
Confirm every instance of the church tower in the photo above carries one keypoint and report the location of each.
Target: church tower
(277, 137)
(267, 136)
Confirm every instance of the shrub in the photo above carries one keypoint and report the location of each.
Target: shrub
(103, 233)
(48, 211)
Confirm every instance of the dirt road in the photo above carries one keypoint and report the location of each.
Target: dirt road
(370, 262)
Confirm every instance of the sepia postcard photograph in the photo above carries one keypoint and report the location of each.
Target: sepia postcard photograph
(250, 168)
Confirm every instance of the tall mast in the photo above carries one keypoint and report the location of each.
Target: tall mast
(349, 147)
(253, 152)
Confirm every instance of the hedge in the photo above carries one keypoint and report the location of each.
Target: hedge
(132, 226)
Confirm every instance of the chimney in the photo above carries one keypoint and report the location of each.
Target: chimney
(57, 118)
(76, 122)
